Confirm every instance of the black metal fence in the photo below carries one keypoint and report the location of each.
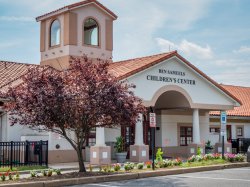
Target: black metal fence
(23, 153)
(240, 145)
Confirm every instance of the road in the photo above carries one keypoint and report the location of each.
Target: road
(237, 177)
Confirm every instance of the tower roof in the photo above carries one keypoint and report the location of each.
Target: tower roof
(77, 5)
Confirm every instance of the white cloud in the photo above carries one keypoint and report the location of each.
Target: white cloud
(138, 21)
(238, 76)
(138, 25)
(242, 49)
(15, 18)
(188, 48)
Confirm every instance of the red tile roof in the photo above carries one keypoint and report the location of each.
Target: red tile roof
(243, 94)
(75, 5)
(126, 68)
(12, 71)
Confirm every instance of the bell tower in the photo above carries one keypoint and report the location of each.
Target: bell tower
(84, 28)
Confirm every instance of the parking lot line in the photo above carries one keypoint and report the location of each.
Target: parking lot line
(213, 178)
(104, 185)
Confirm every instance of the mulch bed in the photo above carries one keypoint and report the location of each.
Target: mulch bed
(62, 176)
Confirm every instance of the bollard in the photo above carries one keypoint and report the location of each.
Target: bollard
(248, 154)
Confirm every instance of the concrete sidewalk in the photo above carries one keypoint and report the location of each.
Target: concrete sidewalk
(73, 165)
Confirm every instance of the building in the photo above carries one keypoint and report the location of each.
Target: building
(186, 101)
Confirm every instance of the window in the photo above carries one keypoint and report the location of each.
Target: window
(91, 32)
(91, 139)
(239, 131)
(186, 136)
(55, 30)
(214, 129)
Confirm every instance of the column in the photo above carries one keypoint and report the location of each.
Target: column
(100, 137)
(139, 132)
(100, 154)
(139, 152)
(192, 148)
(196, 127)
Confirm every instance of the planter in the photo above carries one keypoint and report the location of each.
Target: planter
(208, 150)
(121, 157)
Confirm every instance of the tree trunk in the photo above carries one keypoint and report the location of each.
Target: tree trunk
(80, 161)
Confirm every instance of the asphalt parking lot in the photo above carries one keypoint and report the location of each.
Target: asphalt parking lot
(237, 177)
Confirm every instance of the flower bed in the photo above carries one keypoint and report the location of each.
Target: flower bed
(228, 157)
(193, 161)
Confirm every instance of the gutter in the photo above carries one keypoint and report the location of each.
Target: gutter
(230, 117)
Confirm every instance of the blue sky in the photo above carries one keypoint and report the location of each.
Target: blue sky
(214, 35)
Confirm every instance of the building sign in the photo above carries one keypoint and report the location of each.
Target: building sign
(152, 120)
(169, 77)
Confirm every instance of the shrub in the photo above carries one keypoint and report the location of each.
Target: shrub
(239, 158)
(10, 176)
(217, 156)
(129, 166)
(208, 145)
(191, 159)
(140, 165)
(177, 162)
(117, 167)
(198, 151)
(17, 177)
(195, 158)
(148, 164)
(33, 174)
(58, 171)
(119, 144)
(233, 157)
(107, 168)
(230, 157)
(100, 168)
(3, 177)
(208, 157)
(166, 163)
(90, 168)
(159, 154)
(45, 173)
(50, 172)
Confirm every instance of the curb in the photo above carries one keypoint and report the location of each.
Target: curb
(127, 176)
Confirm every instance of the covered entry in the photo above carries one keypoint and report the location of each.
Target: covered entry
(182, 97)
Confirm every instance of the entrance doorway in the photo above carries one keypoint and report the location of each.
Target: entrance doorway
(128, 133)
(229, 133)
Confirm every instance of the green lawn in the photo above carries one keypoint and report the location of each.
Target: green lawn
(23, 168)
(204, 163)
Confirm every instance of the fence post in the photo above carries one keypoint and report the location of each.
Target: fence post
(27, 152)
(47, 152)
(238, 145)
(11, 154)
(41, 153)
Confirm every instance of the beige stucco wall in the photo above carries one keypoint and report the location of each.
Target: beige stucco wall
(103, 51)
(169, 128)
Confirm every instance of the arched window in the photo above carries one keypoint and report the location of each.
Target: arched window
(91, 32)
(55, 30)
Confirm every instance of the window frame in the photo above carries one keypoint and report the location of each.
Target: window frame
(60, 37)
(98, 33)
(91, 138)
(186, 136)
(216, 131)
(241, 134)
